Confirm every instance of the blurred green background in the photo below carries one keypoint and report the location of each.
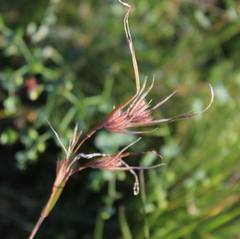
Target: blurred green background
(68, 62)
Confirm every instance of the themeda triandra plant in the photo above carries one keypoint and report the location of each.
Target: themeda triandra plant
(137, 114)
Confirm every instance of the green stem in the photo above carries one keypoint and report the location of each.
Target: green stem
(126, 232)
(98, 230)
(143, 197)
(56, 192)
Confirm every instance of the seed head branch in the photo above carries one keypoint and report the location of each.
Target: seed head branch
(102, 123)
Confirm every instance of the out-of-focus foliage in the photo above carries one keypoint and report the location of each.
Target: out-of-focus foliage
(68, 62)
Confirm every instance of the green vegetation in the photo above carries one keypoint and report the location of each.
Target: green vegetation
(68, 62)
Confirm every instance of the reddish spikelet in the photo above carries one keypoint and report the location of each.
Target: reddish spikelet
(113, 163)
(139, 114)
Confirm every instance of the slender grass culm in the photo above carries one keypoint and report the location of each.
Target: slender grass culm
(137, 114)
